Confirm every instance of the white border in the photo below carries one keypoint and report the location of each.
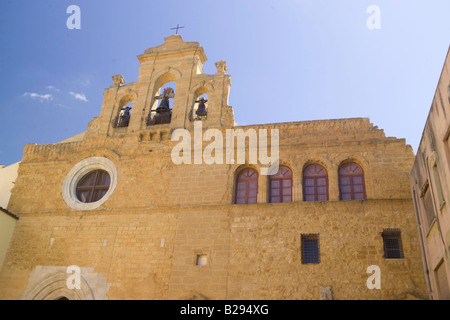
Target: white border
(79, 171)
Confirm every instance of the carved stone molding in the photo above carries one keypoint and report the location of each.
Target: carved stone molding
(50, 283)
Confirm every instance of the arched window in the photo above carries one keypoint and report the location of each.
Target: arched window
(93, 186)
(315, 183)
(280, 185)
(246, 186)
(351, 182)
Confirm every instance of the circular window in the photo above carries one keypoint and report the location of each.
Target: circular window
(93, 186)
(90, 183)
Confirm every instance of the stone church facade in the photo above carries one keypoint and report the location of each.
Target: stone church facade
(336, 220)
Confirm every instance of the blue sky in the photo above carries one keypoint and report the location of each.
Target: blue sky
(289, 60)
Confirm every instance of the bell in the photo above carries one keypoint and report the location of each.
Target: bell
(201, 110)
(163, 106)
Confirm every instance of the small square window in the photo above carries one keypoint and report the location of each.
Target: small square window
(201, 260)
(392, 242)
(310, 248)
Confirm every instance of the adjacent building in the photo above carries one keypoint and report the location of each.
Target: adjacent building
(430, 179)
(7, 219)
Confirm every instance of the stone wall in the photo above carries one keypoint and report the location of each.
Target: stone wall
(145, 238)
(158, 217)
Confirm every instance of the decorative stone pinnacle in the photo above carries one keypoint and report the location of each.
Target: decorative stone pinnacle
(221, 66)
(118, 80)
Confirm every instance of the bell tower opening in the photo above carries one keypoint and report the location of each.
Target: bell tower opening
(200, 109)
(171, 92)
(123, 119)
(161, 109)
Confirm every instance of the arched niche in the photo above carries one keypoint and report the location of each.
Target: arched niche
(199, 110)
(162, 96)
(123, 109)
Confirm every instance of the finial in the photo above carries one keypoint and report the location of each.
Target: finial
(177, 27)
(221, 66)
(118, 80)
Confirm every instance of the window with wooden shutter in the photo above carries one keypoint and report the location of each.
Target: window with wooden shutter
(392, 243)
(315, 183)
(351, 182)
(310, 248)
(246, 186)
(280, 185)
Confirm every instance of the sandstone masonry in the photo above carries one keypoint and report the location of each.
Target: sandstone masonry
(144, 240)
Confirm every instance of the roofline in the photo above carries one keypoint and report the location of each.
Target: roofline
(9, 213)
(432, 100)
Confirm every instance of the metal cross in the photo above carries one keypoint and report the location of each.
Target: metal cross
(178, 27)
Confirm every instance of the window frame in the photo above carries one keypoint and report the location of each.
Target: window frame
(315, 179)
(440, 274)
(351, 176)
(92, 188)
(390, 235)
(310, 237)
(438, 187)
(282, 179)
(429, 211)
(78, 172)
(246, 189)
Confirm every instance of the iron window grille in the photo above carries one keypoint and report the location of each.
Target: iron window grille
(310, 248)
(392, 243)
